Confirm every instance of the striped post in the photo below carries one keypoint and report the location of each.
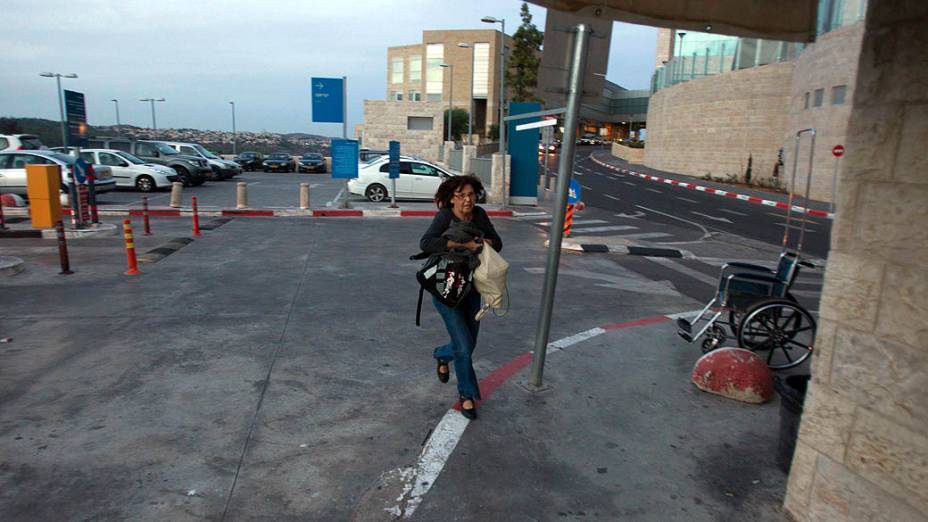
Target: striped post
(568, 220)
(196, 219)
(130, 248)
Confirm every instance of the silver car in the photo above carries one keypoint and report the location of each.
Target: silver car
(13, 170)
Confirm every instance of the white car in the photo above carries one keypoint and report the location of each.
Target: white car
(130, 171)
(13, 170)
(418, 179)
(20, 142)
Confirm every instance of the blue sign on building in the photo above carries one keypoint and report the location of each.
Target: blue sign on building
(328, 100)
(344, 159)
(394, 160)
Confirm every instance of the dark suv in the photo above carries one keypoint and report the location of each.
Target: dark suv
(311, 162)
(192, 171)
(250, 160)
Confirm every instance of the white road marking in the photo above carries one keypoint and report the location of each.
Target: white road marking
(705, 231)
(610, 196)
(586, 187)
(629, 183)
(566, 342)
(636, 215)
(577, 222)
(604, 229)
(645, 235)
(688, 200)
(685, 270)
(253, 183)
(735, 212)
(653, 190)
(714, 218)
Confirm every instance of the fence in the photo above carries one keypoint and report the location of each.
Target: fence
(483, 168)
(455, 159)
(486, 149)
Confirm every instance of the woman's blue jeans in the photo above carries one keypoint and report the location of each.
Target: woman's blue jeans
(463, 328)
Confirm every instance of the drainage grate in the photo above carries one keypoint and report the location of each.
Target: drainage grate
(162, 251)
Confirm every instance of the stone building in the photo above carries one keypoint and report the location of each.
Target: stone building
(416, 125)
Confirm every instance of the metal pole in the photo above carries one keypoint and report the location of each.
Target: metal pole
(502, 98)
(450, 106)
(64, 122)
(470, 101)
(234, 136)
(565, 171)
(345, 128)
(834, 185)
(547, 144)
(118, 125)
(154, 123)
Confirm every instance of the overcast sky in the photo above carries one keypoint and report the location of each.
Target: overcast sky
(201, 54)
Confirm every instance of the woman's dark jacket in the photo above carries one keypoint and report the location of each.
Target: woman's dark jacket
(432, 241)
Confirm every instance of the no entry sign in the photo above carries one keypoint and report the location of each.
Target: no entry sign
(838, 151)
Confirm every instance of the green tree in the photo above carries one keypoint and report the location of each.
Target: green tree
(522, 71)
(458, 123)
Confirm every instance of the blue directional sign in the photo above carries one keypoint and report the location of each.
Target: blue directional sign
(81, 168)
(76, 111)
(344, 159)
(573, 193)
(328, 100)
(394, 160)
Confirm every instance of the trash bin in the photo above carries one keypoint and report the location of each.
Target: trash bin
(792, 392)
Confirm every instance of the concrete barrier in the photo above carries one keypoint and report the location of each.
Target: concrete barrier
(628, 154)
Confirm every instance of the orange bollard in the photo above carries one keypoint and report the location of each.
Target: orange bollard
(568, 220)
(196, 219)
(130, 248)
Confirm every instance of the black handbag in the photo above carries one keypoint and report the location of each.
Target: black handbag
(447, 277)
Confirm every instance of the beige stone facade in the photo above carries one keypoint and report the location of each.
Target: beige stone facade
(635, 156)
(862, 453)
(390, 120)
(829, 66)
(713, 125)
(665, 41)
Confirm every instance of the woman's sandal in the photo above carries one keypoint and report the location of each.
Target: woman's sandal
(443, 375)
(470, 413)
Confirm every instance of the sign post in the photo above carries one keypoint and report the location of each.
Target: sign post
(330, 105)
(546, 135)
(837, 151)
(394, 170)
(78, 192)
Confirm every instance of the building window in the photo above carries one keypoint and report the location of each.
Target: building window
(415, 96)
(397, 96)
(396, 70)
(434, 76)
(819, 97)
(415, 69)
(424, 123)
(433, 97)
(806, 105)
(838, 92)
(481, 79)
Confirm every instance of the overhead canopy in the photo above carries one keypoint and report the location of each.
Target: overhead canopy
(788, 20)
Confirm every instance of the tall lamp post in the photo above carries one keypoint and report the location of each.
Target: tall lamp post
(64, 121)
(450, 68)
(234, 137)
(679, 66)
(154, 123)
(118, 125)
(470, 101)
(502, 85)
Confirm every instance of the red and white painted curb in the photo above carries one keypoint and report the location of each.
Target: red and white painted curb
(717, 192)
(417, 480)
(293, 212)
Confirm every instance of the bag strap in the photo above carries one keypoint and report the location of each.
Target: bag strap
(419, 305)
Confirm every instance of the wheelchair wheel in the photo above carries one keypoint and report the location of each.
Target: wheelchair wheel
(780, 330)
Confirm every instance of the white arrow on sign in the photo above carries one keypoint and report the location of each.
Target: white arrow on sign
(714, 218)
(319, 85)
(636, 215)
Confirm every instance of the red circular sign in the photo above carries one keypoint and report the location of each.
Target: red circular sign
(838, 151)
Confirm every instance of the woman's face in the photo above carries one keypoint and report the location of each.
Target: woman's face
(464, 199)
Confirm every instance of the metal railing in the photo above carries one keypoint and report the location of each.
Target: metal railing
(483, 169)
(485, 149)
(455, 159)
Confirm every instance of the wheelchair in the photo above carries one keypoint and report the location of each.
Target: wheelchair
(762, 314)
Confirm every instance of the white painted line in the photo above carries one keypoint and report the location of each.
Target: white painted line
(735, 212)
(768, 203)
(713, 218)
(685, 270)
(629, 183)
(686, 314)
(586, 187)
(578, 222)
(253, 183)
(598, 173)
(566, 342)
(603, 229)
(645, 235)
(610, 196)
(654, 190)
(688, 200)
(705, 231)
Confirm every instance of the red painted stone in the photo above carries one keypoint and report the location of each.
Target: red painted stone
(734, 373)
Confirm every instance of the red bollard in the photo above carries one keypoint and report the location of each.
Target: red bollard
(63, 250)
(196, 219)
(569, 220)
(145, 216)
(130, 248)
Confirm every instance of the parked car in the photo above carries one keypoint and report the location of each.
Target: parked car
(192, 170)
(13, 170)
(418, 179)
(279, 161)
(365, 154)
(250, 160)
(311, 162)
(20, 142)
(589, 139)
(130, 171)
(221, 169)
(552, 147)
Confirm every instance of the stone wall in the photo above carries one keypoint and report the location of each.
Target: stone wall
(831, 62)
(627, 153)
(387, 120)
(862, 452)
(713, 125)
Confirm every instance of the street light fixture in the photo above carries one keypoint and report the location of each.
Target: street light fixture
(117, 114)
(470, 101)
(64, 122)
(234, 137)
(450, 68)
(502, 85)
(154, 123)
(679, 75)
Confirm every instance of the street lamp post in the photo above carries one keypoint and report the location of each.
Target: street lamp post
(470, 101)
(450, 68)
(64, 121)
(502, 85)
(118, 125)
(234, 136)
(679, 66)
(154, 123)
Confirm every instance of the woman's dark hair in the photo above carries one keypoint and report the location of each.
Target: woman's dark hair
(453, 184)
